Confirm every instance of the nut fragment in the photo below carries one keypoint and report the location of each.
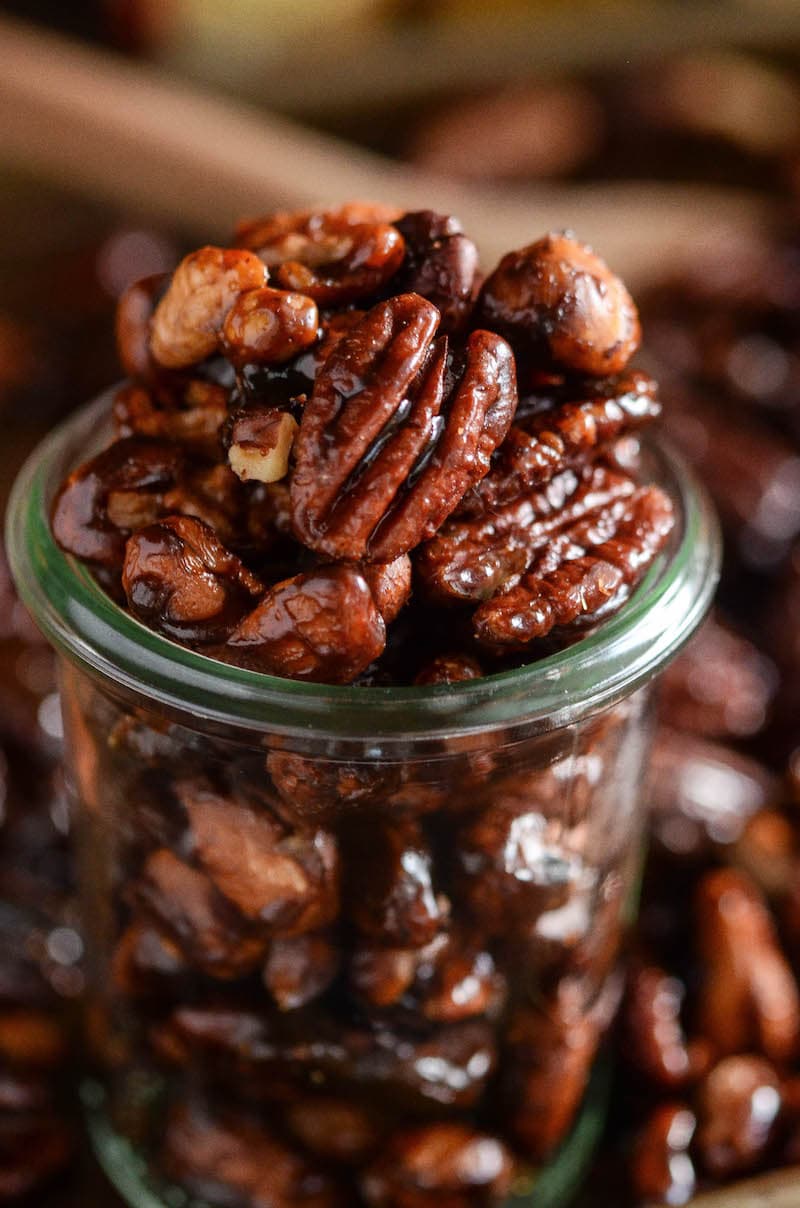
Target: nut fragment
(269, 326)
(188, 320)
(556, 298)
(260, 444)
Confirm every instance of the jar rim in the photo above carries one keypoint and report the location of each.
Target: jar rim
(562, 688)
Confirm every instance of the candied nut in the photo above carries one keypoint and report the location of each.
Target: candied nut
(558, 299)
(260, 444)
(135, 311)
(655, 1041)
(390, 584)
(287, 882)
(380, 460)
(317, 788)
(321, 626)
(662, 1171)
(440, 264)
(739, 1104)
(564, 433)
(748, 996)
(231, 1158)
(269, 326)
(575, 577)
(182, 582)
(444, 1165)
(333, 256)
(299, 968)
(206, 928)
(187, 323)
(193, 416)
(81, 523)
(381, 976)
(449, 669)
(457, 981)
(212, 494)
(142, 958)
(335, 1129)
(392, 899)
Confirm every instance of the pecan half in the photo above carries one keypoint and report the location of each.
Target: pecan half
(181, 581)
(322, 626)
(381, 458)
(83, 512)
(557, 299)
(333, 256)
(577, 574)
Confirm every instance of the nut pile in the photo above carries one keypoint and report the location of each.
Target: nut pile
(341, 458)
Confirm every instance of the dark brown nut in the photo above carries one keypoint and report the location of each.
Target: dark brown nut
(748, 997)
(703, 793)
(212, 494)
(317, 789)
(232, 1159)
(193, 416)
(206, 928)
(449, 669)
(31, 1038)
(142, 959)
(135, 311)
(187, 323)
(268, 326)
(442, 1165)
(286, 882)
(470, 559)
(721, 686)
(333, 256)
(655, 1043)
(299, 968)
(440, 264)
(662, 1171)
(181, 581)
(32, 1151)
(557, 299)
(81, 522)
(381, 976)
(382, 458)
(512, 863)
(321, 626)
(260, 444)
(392, 900)
(567, 583)
(564, 434)
(458, 980)
(335, 1129)
(739, 1104)
(390, 584)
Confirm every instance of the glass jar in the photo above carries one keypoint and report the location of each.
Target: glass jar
(350, 942)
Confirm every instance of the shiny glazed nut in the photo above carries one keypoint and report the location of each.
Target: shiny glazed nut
(738, 1110)
(379, 464)
(393, 899)
(316, 788)
(134, 316)
(390, 584)
(299, 968)
(457, 980)
(287, 882)
(450, 669)
(558, 299)
(181, 581)
(748, 997)
(662, 1169)
(81, 523)
(261, 443)
(440, 264)
(188, 320)
(333, 256)
(575, 576)
(381, 976)
(321, 626)
(192, 416)
(447, 1165)
(268, 326)
(655, 1040)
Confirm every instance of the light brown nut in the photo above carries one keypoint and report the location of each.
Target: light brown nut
(739, 1104)
(286, 882)
(299, 968)
(268, 326)
(382, 457)
(321, 626)
(748, 997)
(390, 584)
(188, 320)
(181, 581)
(261, 442)
(556, 298)
(445, 1165)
